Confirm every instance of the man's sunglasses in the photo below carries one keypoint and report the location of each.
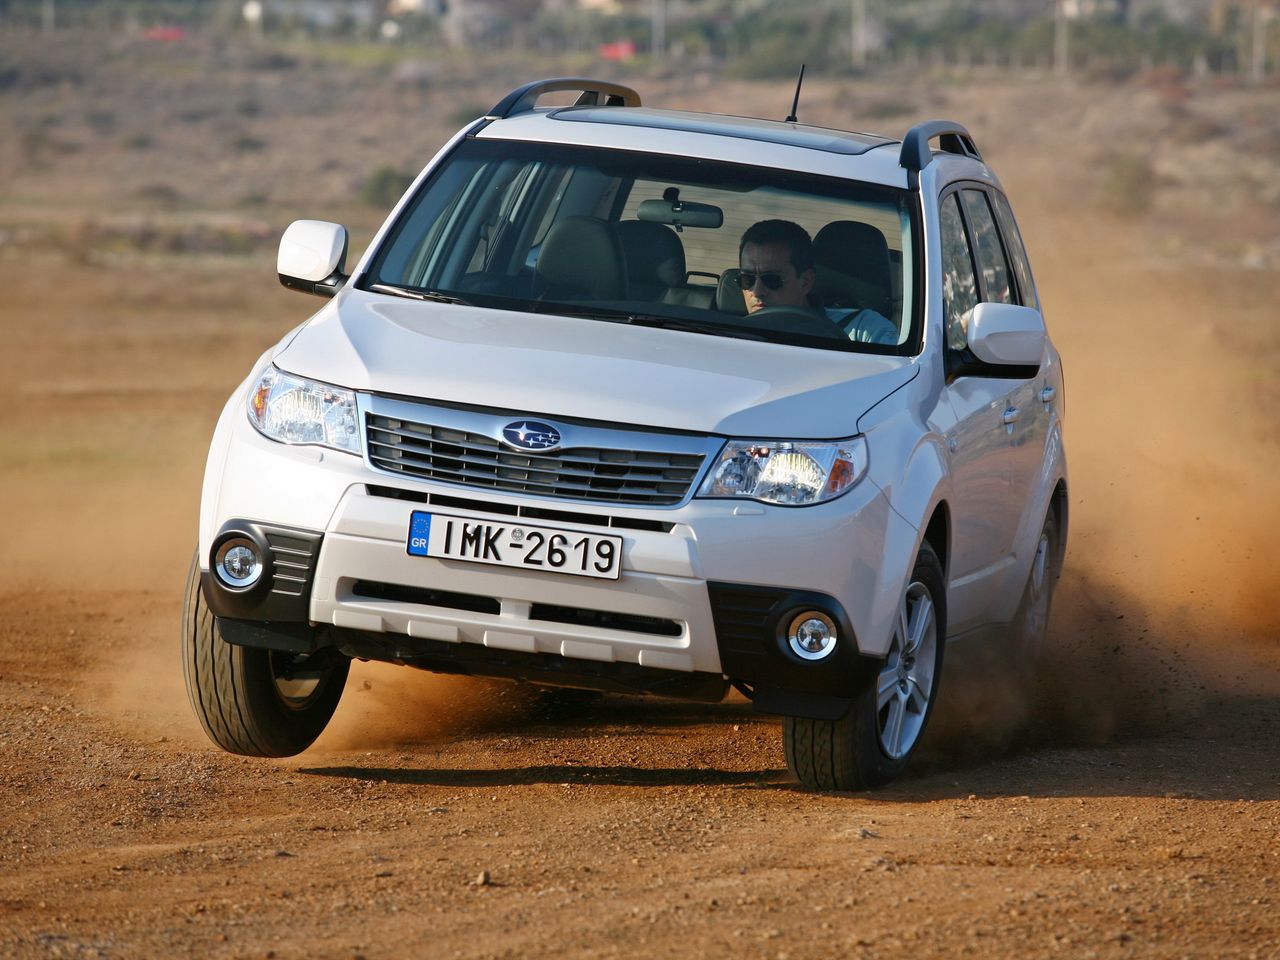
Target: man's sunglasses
(773, 280)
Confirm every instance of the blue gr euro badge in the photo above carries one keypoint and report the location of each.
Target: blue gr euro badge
(419, 533)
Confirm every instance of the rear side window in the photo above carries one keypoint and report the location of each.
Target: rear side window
(959, 284)
(996, 283)
(1017, 252)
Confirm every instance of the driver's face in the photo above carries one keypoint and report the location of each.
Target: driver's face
(774, 259)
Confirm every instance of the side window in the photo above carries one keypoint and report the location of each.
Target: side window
(959, 286)
(1017, 252)
(996, 283)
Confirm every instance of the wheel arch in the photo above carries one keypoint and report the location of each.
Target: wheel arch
(920, 503)
(1061, 512)
(937, 533)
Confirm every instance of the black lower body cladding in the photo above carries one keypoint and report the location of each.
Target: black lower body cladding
(751, 623)
(283, 593)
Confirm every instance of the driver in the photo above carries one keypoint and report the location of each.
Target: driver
(776, 269)
(775, 261)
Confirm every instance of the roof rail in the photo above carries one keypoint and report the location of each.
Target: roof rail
(595, 93)
(953, 138)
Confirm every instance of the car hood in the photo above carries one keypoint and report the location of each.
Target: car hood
(571, 368)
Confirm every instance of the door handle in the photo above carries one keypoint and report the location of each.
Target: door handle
(1009, 416)
(1047, 394)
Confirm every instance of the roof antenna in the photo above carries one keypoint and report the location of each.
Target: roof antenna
(796, 102)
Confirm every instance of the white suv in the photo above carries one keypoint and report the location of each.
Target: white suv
(560, 425)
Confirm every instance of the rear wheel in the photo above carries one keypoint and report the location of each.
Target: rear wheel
(872, 743)
(1031, 623)
(259, 703)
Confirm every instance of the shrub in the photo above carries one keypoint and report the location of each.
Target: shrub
(247, 143)
(160, 194)
(102, 121)
(385, 186)
(1128, 184)
(467, 113)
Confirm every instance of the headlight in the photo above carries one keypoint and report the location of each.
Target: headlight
(793, 473)
(293, 410)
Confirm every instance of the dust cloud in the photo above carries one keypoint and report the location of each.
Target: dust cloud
(1166, 610)
(387, 705)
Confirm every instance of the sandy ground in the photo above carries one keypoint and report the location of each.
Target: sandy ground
(1128, 805)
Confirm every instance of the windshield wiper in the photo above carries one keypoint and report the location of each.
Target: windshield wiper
(418, 293)
(695, 326)
(584, 312)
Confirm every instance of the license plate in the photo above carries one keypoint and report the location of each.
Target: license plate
(515, 545)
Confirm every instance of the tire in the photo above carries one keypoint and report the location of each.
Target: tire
(872, 743)
(258, 703)
(1030, 628)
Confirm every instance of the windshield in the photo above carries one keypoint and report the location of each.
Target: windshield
(707, 247)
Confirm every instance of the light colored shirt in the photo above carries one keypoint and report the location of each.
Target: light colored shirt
(864, 326)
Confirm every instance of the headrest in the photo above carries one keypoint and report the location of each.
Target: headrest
(581, 257)
(851, 261)
(654, 255)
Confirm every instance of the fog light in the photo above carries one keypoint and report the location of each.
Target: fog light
(812, 635)
(238, 563)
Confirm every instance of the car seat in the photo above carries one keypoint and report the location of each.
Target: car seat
(851, 261)
(656, 268)
(581, 259)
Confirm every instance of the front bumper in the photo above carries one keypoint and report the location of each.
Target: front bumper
(676, 611)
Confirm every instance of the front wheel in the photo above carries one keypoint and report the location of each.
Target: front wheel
(872, 743)
(259, 703)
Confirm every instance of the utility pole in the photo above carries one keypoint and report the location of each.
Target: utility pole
(1060, 65)
(1261, 14)
(858, 33)
(658, 17)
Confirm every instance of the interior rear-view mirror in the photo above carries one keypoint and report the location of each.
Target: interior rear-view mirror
(678, 213)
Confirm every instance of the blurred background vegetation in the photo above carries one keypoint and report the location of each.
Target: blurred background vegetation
(193, 130)
(750, 38)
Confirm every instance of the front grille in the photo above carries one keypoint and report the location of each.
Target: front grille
(521, 510)
(577, 473)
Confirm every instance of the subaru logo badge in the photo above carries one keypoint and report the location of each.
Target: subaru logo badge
(531, 435)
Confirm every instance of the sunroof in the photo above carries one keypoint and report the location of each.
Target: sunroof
(743, 128)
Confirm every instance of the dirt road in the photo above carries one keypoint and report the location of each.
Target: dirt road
(445, 818)
(1126, 806)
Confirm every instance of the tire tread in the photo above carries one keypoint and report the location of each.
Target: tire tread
(225, 685)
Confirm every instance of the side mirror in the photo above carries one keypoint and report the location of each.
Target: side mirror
(1006, 334)
(312, 257)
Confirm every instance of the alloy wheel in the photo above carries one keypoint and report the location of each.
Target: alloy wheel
(904, 686)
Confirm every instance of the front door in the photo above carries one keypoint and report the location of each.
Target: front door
(983, 517)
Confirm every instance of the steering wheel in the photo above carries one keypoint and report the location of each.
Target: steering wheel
(805, 321)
